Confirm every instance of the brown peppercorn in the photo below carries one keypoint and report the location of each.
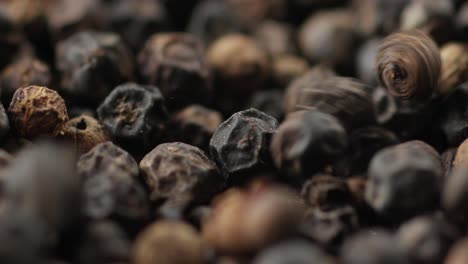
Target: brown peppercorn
(85, 132)
(328, 37)
(24, 72)
(343, 97)
(275, 37)
(458, 253)
(454, 66)
(326, 193)
(251, 12)
(408, 65)
(174, 62)
(239, 64)
(287, 67)
(194, 125)
(37, 111)
(169, 242)
(461, 157)
(180, 175)
(245, 220)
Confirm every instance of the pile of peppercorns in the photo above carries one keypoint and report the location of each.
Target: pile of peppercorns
(233, 131)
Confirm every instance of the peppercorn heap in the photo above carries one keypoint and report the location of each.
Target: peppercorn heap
(233, 131)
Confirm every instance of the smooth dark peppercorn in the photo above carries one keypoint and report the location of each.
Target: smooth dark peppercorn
(297, 251)
(135, 115)
(404, 180)
(37, 111)
(240, 144)
(169, 242)
(427, 239)
(372, 246)
(85, 132)
(305, 142)
(180, 175)
(103, 242)
(111, 186)
(24, 72)
(194, 125)
(175, 62)
(91, 64)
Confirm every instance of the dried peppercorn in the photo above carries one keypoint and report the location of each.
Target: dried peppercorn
(251, 13)
(326, 193)
(267, 101)
(211, 19)
(194, 125)
(447, 159)
(461, 158)
(91, 64)
(245, 220)
(305, 142)
(169, 242)
(4, 122)
(458, 252)
(372, 246)
(427, 239)
(111, 188)
(408, 65)
(24, 72)
(135, 115)
(397, 173)
(37, 111)
(85, 132)
(298, 251)
(136, 20)
(365, 61)
(330, 228)
(240, 144)
(288, 67)
(328, 37)
(345, 98)
(362, 145)
(103, 242)
(275, 37)
(239, 65)
(175, 63)
(180, 175)
(454, 58)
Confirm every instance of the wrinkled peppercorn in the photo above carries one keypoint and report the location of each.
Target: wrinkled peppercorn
(37, 111)
(326, 193)
(22, 73)
(180, 175)
(305, 142)
(85, 132)
(240, 144)
(175, 63)
(245, 220)
(135, 115)
(194, 125)
(91, 64)
(169, 242)
(110, 185)
(396, 176)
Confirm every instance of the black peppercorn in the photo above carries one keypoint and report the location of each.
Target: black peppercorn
(326, 193)
(180, 175)
(135, 115)
(175, 63)
(240, 144)
(91, 64)
(305, 142)
(396, 176)
(267, 101)
(111, 186)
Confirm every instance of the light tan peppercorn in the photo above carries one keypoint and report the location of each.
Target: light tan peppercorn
(85, 132)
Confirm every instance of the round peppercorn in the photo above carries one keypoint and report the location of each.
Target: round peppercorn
(180, 175)
(135, 115)
(396, 176)
(239, 64)
(175, 63)
(326, 192)
(37, 111)
(111, 186)
(92, 63)
(85, 132)
(169, 242)
(240, 144)
(305, 142)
